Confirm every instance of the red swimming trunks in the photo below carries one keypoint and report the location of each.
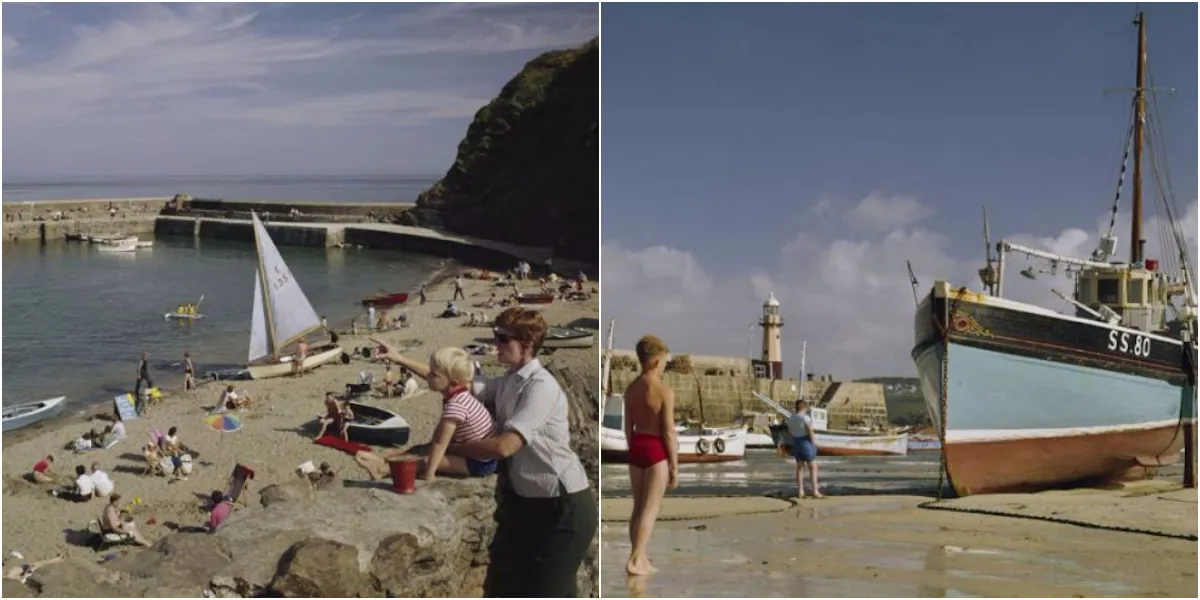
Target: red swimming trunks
(646, 450)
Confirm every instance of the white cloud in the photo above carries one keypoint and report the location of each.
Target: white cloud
(877, 212)
(849, 296)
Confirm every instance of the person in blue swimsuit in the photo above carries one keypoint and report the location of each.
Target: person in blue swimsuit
(804, 447)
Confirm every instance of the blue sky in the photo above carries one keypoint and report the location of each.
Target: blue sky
(809, 150)
(219, 89)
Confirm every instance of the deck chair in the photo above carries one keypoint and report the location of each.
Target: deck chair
(102, 541)
(239, 483)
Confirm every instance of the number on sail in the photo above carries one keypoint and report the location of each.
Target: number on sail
(1129, 343)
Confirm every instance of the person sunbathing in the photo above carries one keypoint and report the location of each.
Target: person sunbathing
(112, 523)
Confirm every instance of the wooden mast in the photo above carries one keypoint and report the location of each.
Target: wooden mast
(1139, 120)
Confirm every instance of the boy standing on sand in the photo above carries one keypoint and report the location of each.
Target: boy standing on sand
(653, 449)
(458, 288)
(143, 374)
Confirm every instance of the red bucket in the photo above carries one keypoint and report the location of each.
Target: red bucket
(404, 474)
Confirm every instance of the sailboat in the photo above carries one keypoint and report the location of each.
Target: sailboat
(282, 315)
(1025, 398)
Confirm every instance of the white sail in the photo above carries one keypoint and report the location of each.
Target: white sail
(260, 338)
(290, 313)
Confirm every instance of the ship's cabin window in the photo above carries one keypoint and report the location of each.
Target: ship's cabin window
(1108, 290)
(1134, 293)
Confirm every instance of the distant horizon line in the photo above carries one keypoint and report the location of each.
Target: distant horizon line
(89, 178)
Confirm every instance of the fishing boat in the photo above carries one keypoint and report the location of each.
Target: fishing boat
(566, 337)
(24, 415)
(282, 315)
(385, 299)
(145, 244)
(376, 426)
(758, 425)
(923, 444)
(535, 298)
(1026, 398)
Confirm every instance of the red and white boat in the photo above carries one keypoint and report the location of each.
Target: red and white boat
(385, 299)
(696, 445)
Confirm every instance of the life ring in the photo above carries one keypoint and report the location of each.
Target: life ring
(719, 445)
(702, 447)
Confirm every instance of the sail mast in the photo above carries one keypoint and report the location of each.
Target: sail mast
(1135, 217)
(266, 286)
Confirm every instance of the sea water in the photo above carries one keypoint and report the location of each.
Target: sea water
(75, 320)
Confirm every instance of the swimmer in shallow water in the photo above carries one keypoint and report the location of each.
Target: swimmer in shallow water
(653, 458)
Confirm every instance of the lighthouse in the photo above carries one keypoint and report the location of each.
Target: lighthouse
(770, 366)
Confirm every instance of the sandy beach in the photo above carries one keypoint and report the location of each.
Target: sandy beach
(272, 440)
(886, 546)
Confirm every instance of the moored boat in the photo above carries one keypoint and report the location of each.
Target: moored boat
(834, 442)
(696, 445)
(125, 245)
(24, 415)
(1026, 398)
(385, 299)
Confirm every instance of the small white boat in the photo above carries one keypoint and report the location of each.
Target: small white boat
(282, 315)
(566, 337)
(832, 442)
(145, 244)
(24, 415)
(696, 445)
(127, 245)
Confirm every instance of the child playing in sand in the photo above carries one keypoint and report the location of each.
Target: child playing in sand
(41, 470)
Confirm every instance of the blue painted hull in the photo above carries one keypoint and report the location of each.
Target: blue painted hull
(1026, 411)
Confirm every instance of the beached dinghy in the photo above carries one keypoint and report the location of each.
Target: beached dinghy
(376, 426)
(24, 415)
(385, 299)
(535, 298)
(282, 315)
(566, 337)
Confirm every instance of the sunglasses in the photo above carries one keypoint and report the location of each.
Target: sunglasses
(502, 337)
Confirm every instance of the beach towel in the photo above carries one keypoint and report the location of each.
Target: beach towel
(338, 443)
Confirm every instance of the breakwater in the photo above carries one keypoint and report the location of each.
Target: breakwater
(318, 224)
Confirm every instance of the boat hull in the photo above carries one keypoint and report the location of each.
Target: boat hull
(282, 369)
(1036, 400)
(535, 298)
(33, 412)
(182, 316)
(385, 300)
(574, 339)
(837, 443)
(614, 449)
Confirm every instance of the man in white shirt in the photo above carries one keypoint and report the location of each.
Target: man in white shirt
(84, 488)
(100, 480)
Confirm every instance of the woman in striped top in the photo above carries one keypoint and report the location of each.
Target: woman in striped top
(464, 418)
